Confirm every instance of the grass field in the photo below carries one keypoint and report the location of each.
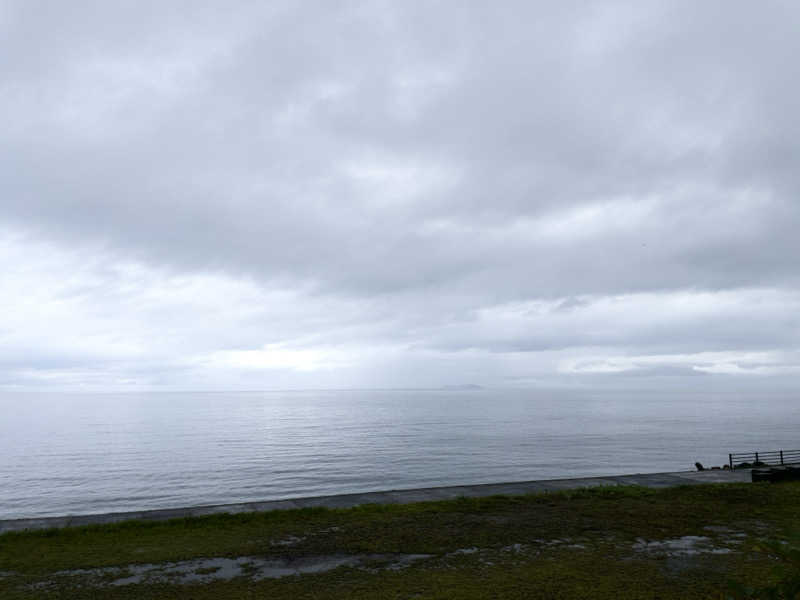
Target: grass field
(621, 542)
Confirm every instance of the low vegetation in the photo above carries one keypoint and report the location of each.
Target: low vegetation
(705, 541)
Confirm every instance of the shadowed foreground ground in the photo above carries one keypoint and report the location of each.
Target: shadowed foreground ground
(620, 542)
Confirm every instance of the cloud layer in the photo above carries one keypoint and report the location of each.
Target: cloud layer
(399, 194)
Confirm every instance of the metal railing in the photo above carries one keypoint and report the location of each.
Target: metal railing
(757, 459)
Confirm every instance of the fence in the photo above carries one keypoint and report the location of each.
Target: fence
(755, 459)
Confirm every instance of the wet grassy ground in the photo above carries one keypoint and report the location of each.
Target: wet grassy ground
(621, 542)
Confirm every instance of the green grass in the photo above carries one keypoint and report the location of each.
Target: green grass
(596, 561)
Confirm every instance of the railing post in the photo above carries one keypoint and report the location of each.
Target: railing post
(730, 461)
(781, 456)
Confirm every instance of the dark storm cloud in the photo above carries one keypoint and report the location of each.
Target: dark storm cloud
(422, 166)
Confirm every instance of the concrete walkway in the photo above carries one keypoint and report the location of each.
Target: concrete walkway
(653, 480)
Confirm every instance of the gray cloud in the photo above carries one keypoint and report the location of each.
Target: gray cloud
(398, 183)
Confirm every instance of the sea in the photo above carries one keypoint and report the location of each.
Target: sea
(84, 453)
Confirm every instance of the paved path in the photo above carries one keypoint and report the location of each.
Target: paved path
(653, 480)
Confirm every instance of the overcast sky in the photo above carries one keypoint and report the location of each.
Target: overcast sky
(261, 195)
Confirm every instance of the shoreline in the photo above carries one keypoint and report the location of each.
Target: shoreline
(404, 496)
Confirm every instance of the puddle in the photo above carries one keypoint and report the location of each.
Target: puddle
(688, 545)
(206, 570)
(519, 548)
(291, 540)
(730, 536)
(472, 550)
(718, 529)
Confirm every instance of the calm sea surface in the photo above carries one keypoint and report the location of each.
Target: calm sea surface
(89, 453)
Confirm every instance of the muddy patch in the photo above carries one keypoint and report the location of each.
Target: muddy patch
(688, 545)
(717, 539)
(207, 570)
(690, 551)
(291, 540)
